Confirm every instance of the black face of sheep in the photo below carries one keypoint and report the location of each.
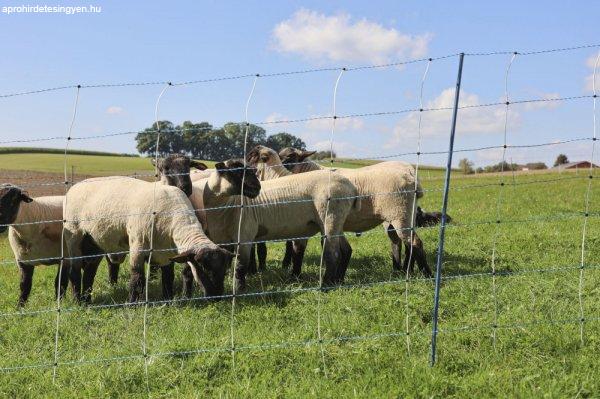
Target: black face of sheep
(428, 219)
(234, 172)
(290, 157)
(175, 169)
(209, 266)
(10, 202)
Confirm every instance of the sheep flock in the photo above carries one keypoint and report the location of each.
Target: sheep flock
(211, 220)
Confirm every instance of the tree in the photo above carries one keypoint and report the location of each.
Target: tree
(561, 159)
(170, 140)
(282, 140)
(236, 132)
(196, 137)
(466, 166)
(323, 155)
(536, 166)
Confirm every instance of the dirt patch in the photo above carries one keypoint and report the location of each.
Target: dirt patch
(43, 183)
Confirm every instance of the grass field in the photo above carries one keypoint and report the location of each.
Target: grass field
(366, 351)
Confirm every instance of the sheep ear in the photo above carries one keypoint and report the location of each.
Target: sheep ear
(220, 166)
(306, 154)
(25, 197)
(198, 165)
(183, 257)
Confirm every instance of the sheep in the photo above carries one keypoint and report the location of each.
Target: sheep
(173, 170)
(388, 193)
(126, 224)
(32, 243)
(268, 216)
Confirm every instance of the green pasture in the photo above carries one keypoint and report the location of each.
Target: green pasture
(532, 330)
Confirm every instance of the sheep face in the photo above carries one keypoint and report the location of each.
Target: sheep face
(231, 173)
(263, 154)
(175, 171)
(291, 157)
(10, 202)
(209, 266)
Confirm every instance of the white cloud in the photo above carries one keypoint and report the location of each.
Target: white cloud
(544, 104)
(114, 110)
(591, 63)
(476, 120)
(320, 37)
(341, 124)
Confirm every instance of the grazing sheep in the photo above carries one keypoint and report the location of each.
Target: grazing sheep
(387, 192)
(285, 208)
(103, 216)
(174, 170)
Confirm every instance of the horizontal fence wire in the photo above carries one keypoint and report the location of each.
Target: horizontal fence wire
(321, 117)
(292, 344)
(146, 355)
(307, 200)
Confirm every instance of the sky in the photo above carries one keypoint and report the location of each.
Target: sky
(184, 41)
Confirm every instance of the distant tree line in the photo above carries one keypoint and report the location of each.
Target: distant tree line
(204, 141)
(466, 167)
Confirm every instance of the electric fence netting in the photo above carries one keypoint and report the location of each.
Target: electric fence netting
(494, 274)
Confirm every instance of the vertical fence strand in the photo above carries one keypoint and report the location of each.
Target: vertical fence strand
(239, 230)
(499, 199)
(587, 203)
(62, 238)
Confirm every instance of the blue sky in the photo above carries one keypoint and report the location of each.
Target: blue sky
(181, 41)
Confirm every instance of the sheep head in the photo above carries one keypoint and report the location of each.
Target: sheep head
(175, 171)
(233, 175)
(209, 265)
(291, 157)
(262, 154)
(10, 202)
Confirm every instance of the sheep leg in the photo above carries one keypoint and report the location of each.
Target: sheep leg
(243, 256)
(298, 249)
(113, 272)
(346, 251)
(188, 281)
(409, 259)
(138, 274)
(26, 280)
(261, 252)
(89, 274)
(167, 279)
(62, 285)
(420, 256)
(287, 258)
(332, 258)
(252, 261)
(75, 277)
(396, 246)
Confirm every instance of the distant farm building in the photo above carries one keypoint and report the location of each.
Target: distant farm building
(576, 165)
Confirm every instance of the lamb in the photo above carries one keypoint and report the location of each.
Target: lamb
(126, 224)
(268, 216)
(388, 193)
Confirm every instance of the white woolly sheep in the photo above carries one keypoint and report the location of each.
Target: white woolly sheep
(285, 208)
(387, 192)
(103, 216)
